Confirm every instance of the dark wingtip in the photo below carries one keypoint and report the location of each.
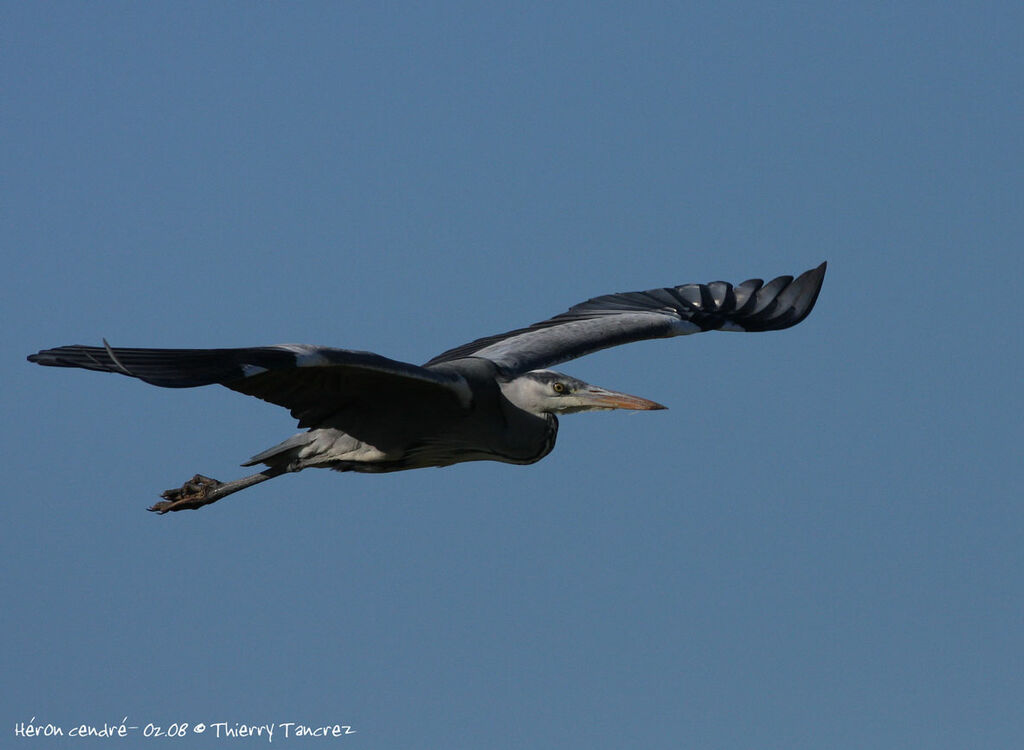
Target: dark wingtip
(818, 275)
(814, 278)
(54, 357)
(783, 302)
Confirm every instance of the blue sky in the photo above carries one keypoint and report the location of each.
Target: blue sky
(817, 545)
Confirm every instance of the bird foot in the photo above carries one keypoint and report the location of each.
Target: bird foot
(195, 493)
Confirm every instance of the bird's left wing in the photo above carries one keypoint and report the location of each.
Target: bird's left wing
(311, 381)
(616, 319)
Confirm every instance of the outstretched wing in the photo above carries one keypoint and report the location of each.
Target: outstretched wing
(313, 382)
(616, 319)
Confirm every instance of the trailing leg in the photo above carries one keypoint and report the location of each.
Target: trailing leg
(200, 490)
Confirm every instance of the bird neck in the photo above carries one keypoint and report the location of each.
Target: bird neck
(525, 393)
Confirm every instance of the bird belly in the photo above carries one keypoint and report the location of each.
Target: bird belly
(522, 440)
(334, 449)
(330, 446)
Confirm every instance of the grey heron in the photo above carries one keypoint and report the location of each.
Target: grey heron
(491, 399)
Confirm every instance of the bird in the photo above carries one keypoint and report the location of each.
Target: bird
(494, 398)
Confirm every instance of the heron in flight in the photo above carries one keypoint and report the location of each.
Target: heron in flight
(491, 399)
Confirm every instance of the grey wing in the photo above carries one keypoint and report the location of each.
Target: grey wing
(313, 382)
(615, 319)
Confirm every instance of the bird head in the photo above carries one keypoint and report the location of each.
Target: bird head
(549, 392)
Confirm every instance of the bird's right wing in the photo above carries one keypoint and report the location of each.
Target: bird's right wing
(616, 319)
(312, 381)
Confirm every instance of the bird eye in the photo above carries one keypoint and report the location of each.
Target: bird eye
(558, 387)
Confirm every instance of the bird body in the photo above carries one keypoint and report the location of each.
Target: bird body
(490, 399)
(413, 429)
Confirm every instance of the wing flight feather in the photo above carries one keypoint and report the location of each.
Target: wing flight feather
(311, 381)
(614, 319)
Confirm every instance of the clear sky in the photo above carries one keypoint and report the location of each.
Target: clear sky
(819, 545)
